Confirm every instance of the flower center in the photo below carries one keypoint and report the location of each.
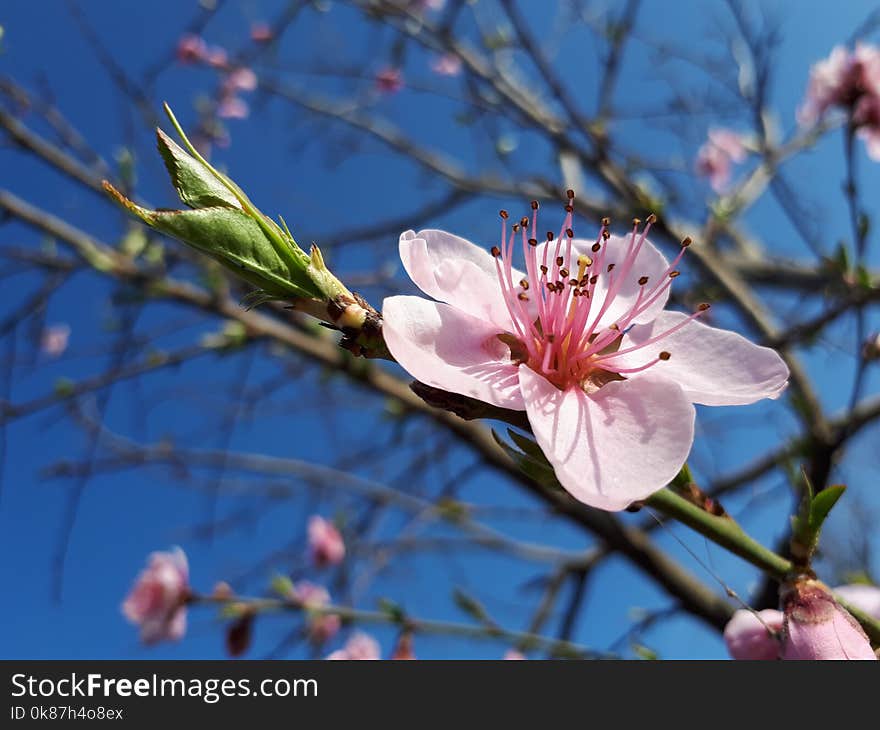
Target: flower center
(559, 309)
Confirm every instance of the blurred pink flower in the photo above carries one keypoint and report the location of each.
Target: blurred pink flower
(449, 64)
(261, 32)
(54, 340)
(217, 57)
(326, 545)
(715, 158)
(191, 49)
(817, 627)
(321, 626)
(233, 107)
(866, 117)
(389, 80)
(514, 655)
(157, 602)
(580, 341)
(751, 635)
(841, 80)
(862, 596)
(241, 79)
(360, 646)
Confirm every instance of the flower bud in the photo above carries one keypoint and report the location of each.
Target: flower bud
(753, 635)
(326, 545)
(817, 627)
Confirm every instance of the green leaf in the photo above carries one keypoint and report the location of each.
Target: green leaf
(237, 241)
(283, 586)
(822, 504)
(471, 606)
(196, 185)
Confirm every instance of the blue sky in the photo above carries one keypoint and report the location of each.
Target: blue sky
(124, 516)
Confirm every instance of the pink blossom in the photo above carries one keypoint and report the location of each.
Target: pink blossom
(715, 158)
(841, 80)
(581, 342)
(241, 79)
(321, 626)
(54, 339)
(449, 64)
(751, 635)
(217, 57)
(862, 596)
(191, 49)
(157, 602)
(514, 655)
(817, 627)
(233, 107)
(261, 33)
(326, 545)
(866, 117)
(389, 80)
(360, 646)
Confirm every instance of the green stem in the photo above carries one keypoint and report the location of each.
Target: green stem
(722, 531)
(728, 534)
(523, 639)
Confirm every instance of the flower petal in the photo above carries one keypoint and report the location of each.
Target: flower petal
(458, 272)
(615, 446)
(443, 347)
(713, 366)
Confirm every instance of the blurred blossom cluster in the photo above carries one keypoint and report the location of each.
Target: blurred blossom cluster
(850, 81)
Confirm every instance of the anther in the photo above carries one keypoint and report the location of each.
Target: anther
(611, 267)
(533, 242)
(524, 283)
(569, 208)
(584, 281)
(673, 274)
(563, 273)
(516, 227)
(524, 222)
(606, 234)
(606, 221)
(664, 355)
(615, 327)
(559, 260)
(643, 281)
(534, 205)
(572, 282)
(703, 307)
(651, 219)
(593, 278)
(687, 242)
(570, 194)
(637, 221)
(596, 247)
(549, 235)
(503, 214)
(569, 232)
(496, 252)
(543, 269)
(522, 296)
